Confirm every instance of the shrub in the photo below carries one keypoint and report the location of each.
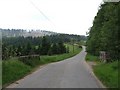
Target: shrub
(31, 60)
(80, 46)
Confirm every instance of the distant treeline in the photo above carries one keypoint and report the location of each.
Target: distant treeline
(25, 33)
(46, 45)
(34, 33)
(103, 35)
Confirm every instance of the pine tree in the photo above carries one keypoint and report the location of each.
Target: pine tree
(45, 46)
(61, 48)
(55, 48)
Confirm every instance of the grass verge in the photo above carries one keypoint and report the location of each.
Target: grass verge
(54, 58)
(13, 70)
(90, 57)
(106, 72)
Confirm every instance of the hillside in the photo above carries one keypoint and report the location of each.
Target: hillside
(25, 33)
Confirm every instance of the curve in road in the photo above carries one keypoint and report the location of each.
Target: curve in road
(70, 73)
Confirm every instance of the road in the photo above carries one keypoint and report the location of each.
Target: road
(70, 73)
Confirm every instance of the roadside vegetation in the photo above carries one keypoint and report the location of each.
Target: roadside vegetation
(103, 42)
(22, 55)
(16, 68)
(13, 69)
(54, 58)
(106, 72)
(103, 35)
(90, 57)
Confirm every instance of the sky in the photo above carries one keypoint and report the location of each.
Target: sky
(62, 16)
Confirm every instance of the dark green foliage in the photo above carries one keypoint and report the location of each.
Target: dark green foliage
(31, 60)
(58, 57)
(62, 48)
(80, 46)
(50, 52)
(12, 47)
(45, 46)
(55, 48)
(103, 35)
(29, 48)
(67, 50)
(19, 50)
(65, 38)
(21, 46)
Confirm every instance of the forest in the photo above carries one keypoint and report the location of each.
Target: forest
(103, 35)
(46, 45)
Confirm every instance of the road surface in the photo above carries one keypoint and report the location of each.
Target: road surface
(70, 73)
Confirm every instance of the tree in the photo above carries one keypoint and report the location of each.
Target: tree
(67, 49)
(28, 48)
(103, 35)
(61, 48)
(5, 52)
(45, 46)
(19, 50)
(55, 48)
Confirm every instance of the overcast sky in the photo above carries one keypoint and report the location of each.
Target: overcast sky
(63, 16)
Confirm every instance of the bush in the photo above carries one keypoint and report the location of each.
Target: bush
(33, 60)
(80, 46)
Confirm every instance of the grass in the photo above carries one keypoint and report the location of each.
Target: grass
(15, 69)
(90, 57)
(55, 58)
(106, 72)
(32, 61)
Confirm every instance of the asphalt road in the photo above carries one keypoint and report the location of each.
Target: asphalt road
(70, 73)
